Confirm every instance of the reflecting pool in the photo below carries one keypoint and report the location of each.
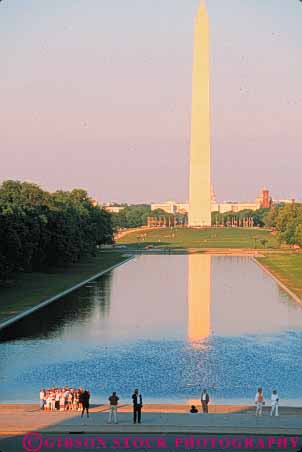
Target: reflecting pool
(170, 325)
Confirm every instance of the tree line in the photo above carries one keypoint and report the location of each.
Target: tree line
(137, 215)
(258, 216)
(286, 219)
(39, 229)
(131, 216)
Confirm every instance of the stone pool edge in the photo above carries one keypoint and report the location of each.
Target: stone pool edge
(50, 300)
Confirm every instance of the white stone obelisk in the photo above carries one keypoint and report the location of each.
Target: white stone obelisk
(200, 153)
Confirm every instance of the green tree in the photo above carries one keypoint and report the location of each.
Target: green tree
(287, 220)
(39, 229)
(131, 216)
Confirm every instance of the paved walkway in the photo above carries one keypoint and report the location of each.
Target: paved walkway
(149, 443)
(20, 419)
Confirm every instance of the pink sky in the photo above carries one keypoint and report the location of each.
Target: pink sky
(99, 97)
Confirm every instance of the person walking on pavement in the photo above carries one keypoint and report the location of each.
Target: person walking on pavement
(275, 403)
(259, 401)
(113, 401)
(137, 406)
(205, 401)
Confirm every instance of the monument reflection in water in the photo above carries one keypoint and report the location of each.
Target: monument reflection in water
(167, 324)
(199, 297)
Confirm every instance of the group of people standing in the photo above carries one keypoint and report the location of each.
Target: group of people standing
(259, 401)
(70, 399)
(137, 401)
(65, 399)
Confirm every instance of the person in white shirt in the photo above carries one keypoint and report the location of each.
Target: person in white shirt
(113, 403)
(48, 402)
(275, 403)
(205, 399)
(259, 401)
(66, 395)
(53, 401)
(42, 397)
(62, 401)
(57, 396)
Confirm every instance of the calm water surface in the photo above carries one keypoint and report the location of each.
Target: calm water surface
(169, 325)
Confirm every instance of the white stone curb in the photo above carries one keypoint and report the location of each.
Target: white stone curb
(283, 286)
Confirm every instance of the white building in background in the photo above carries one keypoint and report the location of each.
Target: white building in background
(113, 209)
(168, 206)
(263, 200)
(180, 207)
(177, 207)
(173, 207)
(285, 201)
(236, 206)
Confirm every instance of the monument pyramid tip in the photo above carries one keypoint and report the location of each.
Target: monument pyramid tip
(202, 9)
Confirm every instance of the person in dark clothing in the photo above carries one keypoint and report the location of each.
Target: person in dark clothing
(193, 409)
(84, 400)
(137, 406)
(205, 401)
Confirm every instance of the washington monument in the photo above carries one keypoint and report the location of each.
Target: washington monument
(200, 153)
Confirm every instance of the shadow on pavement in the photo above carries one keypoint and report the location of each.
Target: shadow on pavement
(233, 431)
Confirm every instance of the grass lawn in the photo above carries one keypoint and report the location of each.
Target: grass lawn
(200, 238)
(31, 289)
(287, 267)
